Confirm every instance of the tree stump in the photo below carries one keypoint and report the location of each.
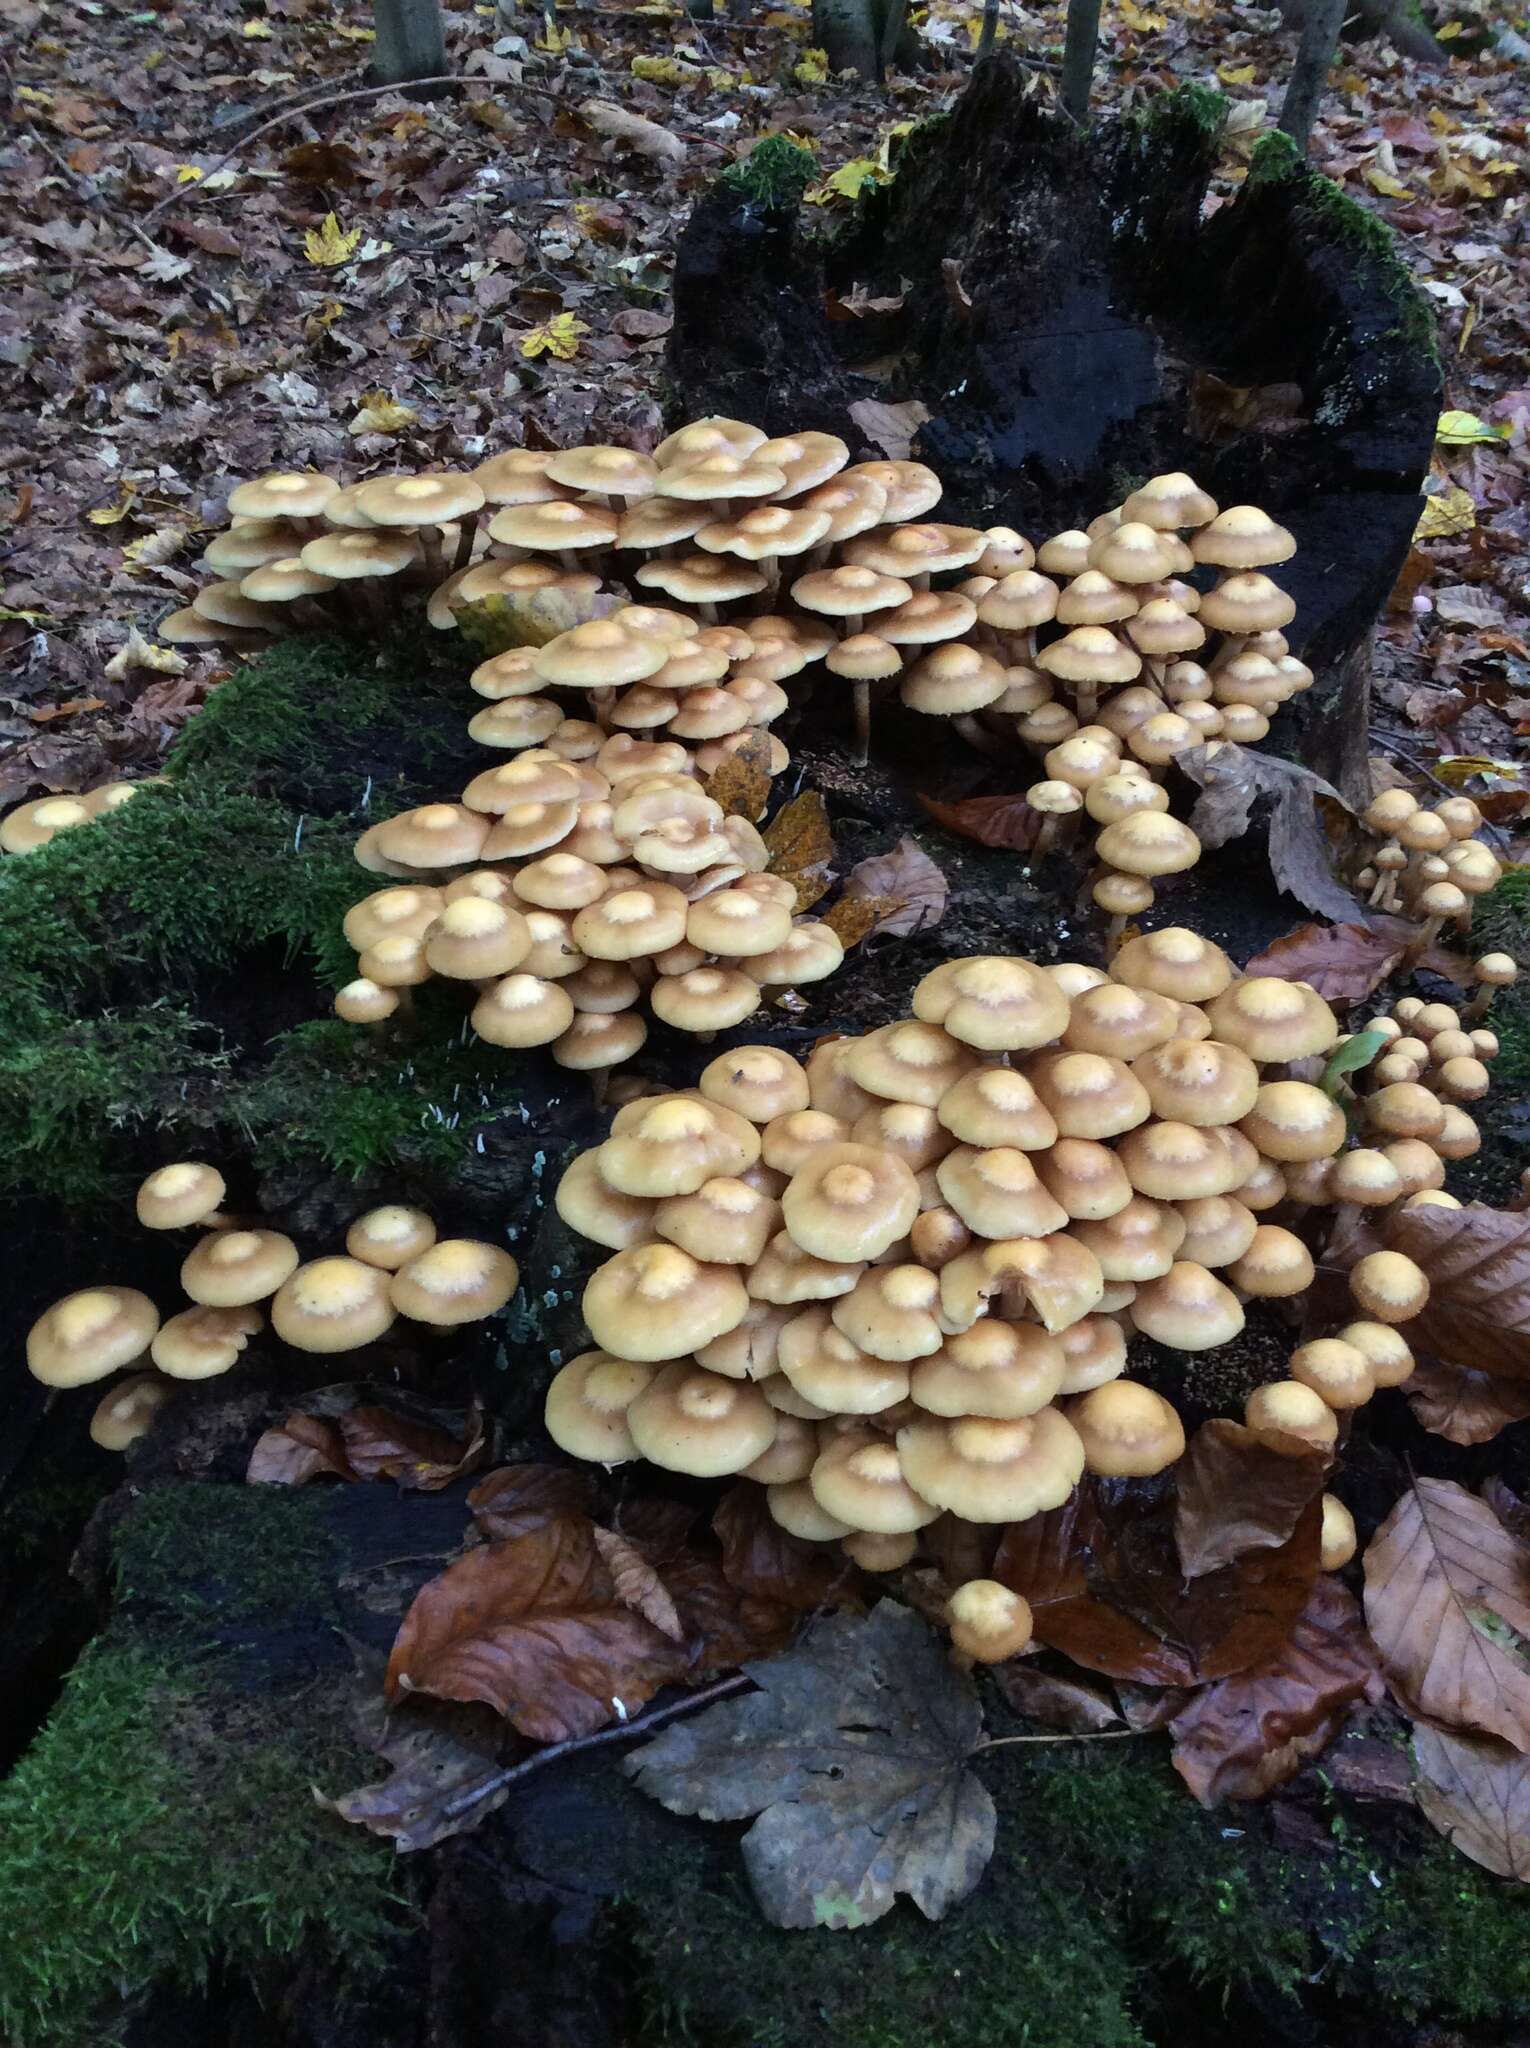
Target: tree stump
(1071, 321)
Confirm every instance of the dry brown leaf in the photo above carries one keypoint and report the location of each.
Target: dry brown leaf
(854, 918)
(1463, 1406)
(1345, 962)
(1477, 1793)
(909, 889)
(891, 427)
(1071, 1704)
(1242, 1736)
(299, 1449)
(638, 1585)
(418, 1457)
(1478, 1262)
(1004, 821)
(631, 130)
(1234, 1494)
(762, 1559)
(1233, 780)
(517, 1498)
(801, 846)
(741, 782)
(1447, 1600)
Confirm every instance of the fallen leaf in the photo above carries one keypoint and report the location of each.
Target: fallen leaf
(646, 137)
(443, 1778)
(1359, 1051)
(853, 1756)
(638, 1585)
(71, 707)
(909, 889)
(493, 625)
(1447, 1601)
(419, 1457)
(1446, 513)
(297, 1450)
(534, 1628)
(1463, 1406)
(136, 652)
(557, 337)
(1003, 821)
(1477, 1793)
(1478, 1262)
(1463, 604)
(1070, 1704)
(517, 1498)
(380, 414)
(1346, 962)
(1104, 1582)
(801, 845)
(1247, 1733)
(855, 918)
(1233, 779)
(1234, 1494)
(1460, 429)
(741, 780)
(329, 246)
(761, 1558)
(892, 427)
(723, 1625)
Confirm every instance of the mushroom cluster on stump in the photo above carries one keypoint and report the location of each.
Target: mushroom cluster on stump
(394, 1264)
(31, 825)
(899, 1280)
(1430, 865)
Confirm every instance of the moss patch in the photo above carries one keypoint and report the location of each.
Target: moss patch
(775, 173)
(203, 1555)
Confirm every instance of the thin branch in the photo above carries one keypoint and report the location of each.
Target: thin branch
(623, 1731)
(1099, 1735)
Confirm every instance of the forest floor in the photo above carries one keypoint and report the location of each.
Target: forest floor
(177, 317)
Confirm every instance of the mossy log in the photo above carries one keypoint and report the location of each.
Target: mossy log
(1072, 320)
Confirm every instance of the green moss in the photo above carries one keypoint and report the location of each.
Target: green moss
(1355, 228)
(205, 1555)
(775, 173)
(1198, 106)
(1276, 159)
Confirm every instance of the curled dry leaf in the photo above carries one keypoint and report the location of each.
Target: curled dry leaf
(889, 426)
(534, 1627)
(517, 1498)
(1346, 962)
(1234, 1494)
(1478, 1262)
(1071, 1704)
(1233, 780)
(1238, 1738)
(1477, 1793)
(1463, 1406)
(638, 1585)
(136, 652)
(801, 846)
(853, 1755)
(762, 1559)
(297, 1450)
(907, 890)
(1103, 1579)
(445, 1764)
(1003, 821)
(417, 1456)
(632, 131)
(1447, 1600)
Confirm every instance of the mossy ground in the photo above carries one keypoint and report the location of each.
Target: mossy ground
(161, 1825)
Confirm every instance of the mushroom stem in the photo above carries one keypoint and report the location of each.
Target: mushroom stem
(1058, 830)
(975, 735)
(1113, 933)
(429, 538)
(374, 609)
(1378, 896)
(862, 693)
(603, 703)
(1421, 941)
(1086, 702)
(464, 554)
(1480, 1003)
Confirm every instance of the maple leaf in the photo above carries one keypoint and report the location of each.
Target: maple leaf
(329, 246)
(558, 337)
(1446, 514)
(853, 1756)
(849, 181)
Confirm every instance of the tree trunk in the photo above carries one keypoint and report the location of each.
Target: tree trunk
(1309, 76)
(846, 32)
(1078, 56)
(411, 41)
(990, 28)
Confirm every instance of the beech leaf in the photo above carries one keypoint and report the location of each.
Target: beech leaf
(1478, 1262)
(1235, 1494)
(534, 1627)
(910, 891)
(853, 1756)
(1247, 1733)
(638, 1585)
(1346, 962)
(1463, 1406)
(516, 1498)
(1003, 821)
(418, 1457)
(765, 1560)
(1447, 1600)
(297, 1450)
(1232, 780)
(801, 846)
(1477, 1793)
(892, 427)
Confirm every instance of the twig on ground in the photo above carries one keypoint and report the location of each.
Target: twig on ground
(1097, 1735)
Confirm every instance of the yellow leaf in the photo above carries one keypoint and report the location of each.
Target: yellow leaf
(187, 174)
(554, 40)
(1458, 768)
(556, 337)
(323, 318)
(1468, 324)
(381, 414)
(724, 81)
(1441, 123)
(849, 181)
(257, 32)
(1448, 512)
(1460, 429)
(1448, 32)
(108, 515)
(330, 245)
(1236, 74)
(1144, 21)
(352, 35)
(1384, 183)
(811, 68)
(662, 70)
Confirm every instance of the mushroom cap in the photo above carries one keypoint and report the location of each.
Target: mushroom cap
(1090, 654)
(737, 923)
(614, 471)
(988, 1622)
(230, 1268)
(176, 1196)
(1148, 842)
(785, 1274)
(988, 1470)
(1338, 1372)
(1089, 1094)
(200, 1343)
(33, 824)
(1218, 1229)
(690, 1420)
(600, 654)
(1127, 1430)
(810, 952)
(673, 1145)
(714, 435)
(1095, 599)
(423, 500)
(434, 836)
(1094, 1351)
(1188, 1309)
(996, 1192)
(1404, 1109)
(516, 476)
(859, 1480)
(1019, 601)
(953, 680)
(929, 616)
(996, 1369)
(332, 1304)
(832, 1372)
(1288, 1417)
(725, 1221)
(702, 579)
(892, 1312)
(1085, 1179)
(587, 1403)
(522, 1010)
(1338, 1542)
(830, 1088)
(1294, 1121)
(1385, 1350)
(755, 1081)
(282, 494)
(915, 1134)
(850, 1201)
(1118, 1021)
(908, 1061)
(1135, 552)
(1173, 962)
(1198, 1081)
(1275, 1264)
(251, 543)
(474, 938)
(365, 1001)
(89, 1334)
(1169, 501)
(1388, 1287)
(589, 1205)
(1173, 1161)
(391, 913)
(654, 1301)
(1137, 1243)
(911, 489)
(792, 1453)
(1274, 1020)
(1365, 1177)
(390, 1236)
(1243, 537)
(630, 923)
(457, 1280)
(347, 556)
(705, 999)
(993, 1002)
(790, 1140)
(554, 524)
(764, 532)
(990, 1106)
(127, 1411)
(1246, 601)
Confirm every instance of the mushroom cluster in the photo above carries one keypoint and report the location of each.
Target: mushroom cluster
(1430, 864)
(394, 1264)
(1439, 1056)
(33, 824)
(581, 887)
(900, 1280)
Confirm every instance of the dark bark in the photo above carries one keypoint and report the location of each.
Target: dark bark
(990, 28)
(1406, 31)
(846, 31)
(1309, 75)
(411, 41)
(1078, 55)
(1102, 308)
